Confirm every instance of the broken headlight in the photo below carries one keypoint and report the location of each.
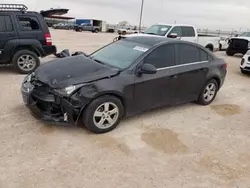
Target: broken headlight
(68, 90)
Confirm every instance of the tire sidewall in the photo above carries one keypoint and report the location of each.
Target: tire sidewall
(201, 99)
(91, 108)
(20, 53)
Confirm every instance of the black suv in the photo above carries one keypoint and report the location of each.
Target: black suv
(24, 37)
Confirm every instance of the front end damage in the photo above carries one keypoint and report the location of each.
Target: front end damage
(47, 105)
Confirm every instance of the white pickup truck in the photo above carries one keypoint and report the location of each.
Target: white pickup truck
(184, 32)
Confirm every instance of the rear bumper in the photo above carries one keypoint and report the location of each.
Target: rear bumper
(245, 63)
(48, 50)
(65, 112)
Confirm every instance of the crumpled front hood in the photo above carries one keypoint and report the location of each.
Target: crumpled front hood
(64, 72)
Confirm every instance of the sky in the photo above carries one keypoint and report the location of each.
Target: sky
(212, 14)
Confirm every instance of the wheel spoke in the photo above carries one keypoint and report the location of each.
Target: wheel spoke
(27, 57)
(106, 107)
(21, 58)
(211, 87)
(98, 114)
(114, 111)
(205, 95)
(101, 122)
(110, 120)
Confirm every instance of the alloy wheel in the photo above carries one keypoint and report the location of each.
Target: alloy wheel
(26, 62)
(209, 92)
(106, 115)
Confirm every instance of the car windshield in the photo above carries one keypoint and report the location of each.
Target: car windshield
(120, 54)
(246, 34)
(158, 30)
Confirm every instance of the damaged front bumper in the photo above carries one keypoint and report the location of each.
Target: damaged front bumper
(47, 106)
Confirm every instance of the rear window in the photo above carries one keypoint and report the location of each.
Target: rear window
(188, 32)
(28, 23)
(6, 24)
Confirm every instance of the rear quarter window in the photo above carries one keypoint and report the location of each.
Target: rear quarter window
(28, 23)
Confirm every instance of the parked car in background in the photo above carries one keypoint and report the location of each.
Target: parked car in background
(87, 27)
(223, 43)
(65, 26)
(124, 78)
(245, 63)
(127, 31)
(239, 44)
(184, 32)
(24, 37)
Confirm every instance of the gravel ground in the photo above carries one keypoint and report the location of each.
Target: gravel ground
(183, 146)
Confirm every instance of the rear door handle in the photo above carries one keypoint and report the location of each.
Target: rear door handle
(174, 77)
(10, 34)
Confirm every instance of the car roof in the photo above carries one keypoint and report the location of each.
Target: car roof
(153, 40)
(148, 40)
(174, 24)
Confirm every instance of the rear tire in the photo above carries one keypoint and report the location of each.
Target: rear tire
(208, 93)
(124, 33)
(210, 47)
(229, 52)
(96, 31)
(103, 114)
(25, 61)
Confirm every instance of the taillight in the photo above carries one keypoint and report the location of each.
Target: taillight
(225, 65)
(48, 39)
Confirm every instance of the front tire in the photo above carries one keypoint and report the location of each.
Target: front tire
(25, 61)
(243, 71)
(208, 93)
(103, 114)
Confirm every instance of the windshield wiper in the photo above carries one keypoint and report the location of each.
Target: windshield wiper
(150, 33)
(98, 61)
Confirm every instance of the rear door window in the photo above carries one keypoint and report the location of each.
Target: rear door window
(2, 25)
(188, 54)
(5, 24)
(205, 56)
(8, 22)
(161, 57)
(28, 23)
(188, 31)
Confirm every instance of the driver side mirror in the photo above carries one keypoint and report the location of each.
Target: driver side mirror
(173, 35)
(147, 69)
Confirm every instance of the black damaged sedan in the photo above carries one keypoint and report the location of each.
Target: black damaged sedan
(124, 78)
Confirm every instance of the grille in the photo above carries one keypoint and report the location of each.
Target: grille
(239, 44)
(40, 87)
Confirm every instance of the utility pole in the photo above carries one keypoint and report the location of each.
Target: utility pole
(142, 4)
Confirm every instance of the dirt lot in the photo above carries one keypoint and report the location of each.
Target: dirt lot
(183, 146)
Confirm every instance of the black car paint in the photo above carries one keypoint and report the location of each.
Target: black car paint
(75, 70)
(18, 39)
(138, 92)
(238, 45)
